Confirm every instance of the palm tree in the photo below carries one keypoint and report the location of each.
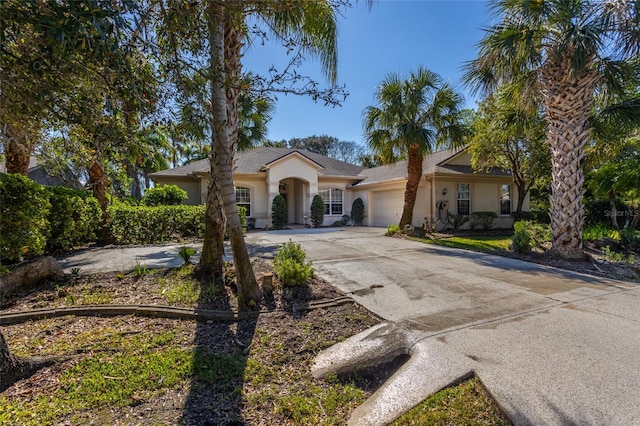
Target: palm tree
(568, 51)
(413, 118)
(314, 24)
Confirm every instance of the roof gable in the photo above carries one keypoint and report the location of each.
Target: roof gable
(290, 155)
(257, 160)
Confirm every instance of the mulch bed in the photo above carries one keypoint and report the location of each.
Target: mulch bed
(188, 404)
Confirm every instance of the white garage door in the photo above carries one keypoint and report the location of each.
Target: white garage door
(386, 207)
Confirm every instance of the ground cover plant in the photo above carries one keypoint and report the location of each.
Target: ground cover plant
(136, 370)
(611, 253)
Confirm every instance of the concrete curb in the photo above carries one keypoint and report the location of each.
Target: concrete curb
(155, 311)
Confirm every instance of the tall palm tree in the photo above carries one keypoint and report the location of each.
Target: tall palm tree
(212, 35)
(568, 51)
(314, 25)
(413, 118)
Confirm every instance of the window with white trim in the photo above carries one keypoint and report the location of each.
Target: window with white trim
(243, 198)
(332, 201)
(505, 199)
(464, 199)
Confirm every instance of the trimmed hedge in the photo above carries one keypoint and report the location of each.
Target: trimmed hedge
(74, 218)
(482, 220)
(151, 225)
(166, 195)
(357, 211)
(279, 212)
(317, 211)
(23, 217)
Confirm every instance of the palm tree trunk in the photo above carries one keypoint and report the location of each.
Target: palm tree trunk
(222, 149)
(211, 261)
(568, 102)
(414, 173)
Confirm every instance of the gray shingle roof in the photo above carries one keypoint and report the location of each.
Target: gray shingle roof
(254, 160)
(433, 163)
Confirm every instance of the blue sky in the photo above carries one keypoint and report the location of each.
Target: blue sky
(394, 36)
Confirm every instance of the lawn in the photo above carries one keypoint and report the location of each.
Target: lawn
(136, 370)
(482, 243)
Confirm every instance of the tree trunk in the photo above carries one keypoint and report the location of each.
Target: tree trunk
(13, 368)
(136, 188)
(98, 185)
(29, 274)
(18, 146)
(9, 366)
(414, 173)
(568, 102)
(211, 260)
(522, 194)
(223, 147)
(614, 209)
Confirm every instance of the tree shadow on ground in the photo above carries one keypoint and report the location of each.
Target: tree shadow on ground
(219, 362)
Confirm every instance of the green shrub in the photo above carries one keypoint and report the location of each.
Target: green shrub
(74, 218)
(290, 266)
(357, 211)
(185, 254)
(393, 229)
(150, 225)
(596, 232)
(630, 238)
(166, 195)
(521, 237)
(23, 217)
(279, 212)
(613, 256)
(482, 220)
(529, 234)
(456, 220)
(317, 211)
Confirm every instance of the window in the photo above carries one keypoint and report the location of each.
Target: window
(332, 201)
(505, 199)
(463, 199)
(243, 198)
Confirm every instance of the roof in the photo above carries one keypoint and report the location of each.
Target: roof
(435, 163)
(255, 160)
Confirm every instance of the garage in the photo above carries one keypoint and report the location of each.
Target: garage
(386, 207)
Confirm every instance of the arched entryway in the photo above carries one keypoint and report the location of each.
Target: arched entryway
(296, 193)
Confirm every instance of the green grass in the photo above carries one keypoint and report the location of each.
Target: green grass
(482, 243)
(136, 368)
(466, 403)
(595, 232)
(184, 290)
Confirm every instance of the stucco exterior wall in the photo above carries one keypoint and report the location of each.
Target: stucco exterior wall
(189, 184)
(258, 188)
(347, 197)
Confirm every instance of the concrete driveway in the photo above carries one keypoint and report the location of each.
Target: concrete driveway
(552, 347)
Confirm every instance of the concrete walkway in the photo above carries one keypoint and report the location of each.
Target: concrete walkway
(552, 347)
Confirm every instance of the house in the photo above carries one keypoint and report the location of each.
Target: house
(39, 173)
(449, 185)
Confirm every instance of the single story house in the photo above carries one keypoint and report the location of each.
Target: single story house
(449, 185)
